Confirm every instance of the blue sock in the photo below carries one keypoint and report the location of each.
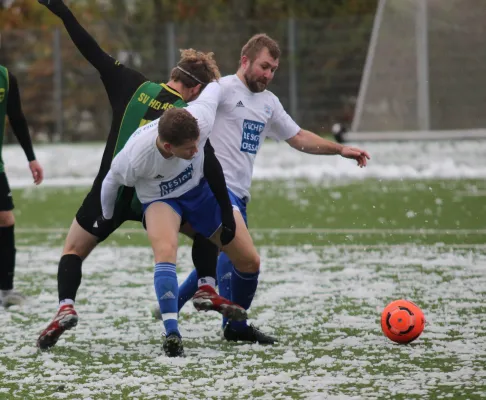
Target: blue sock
(187, 289)
(224, 271)
(243, 288)
(167, 290)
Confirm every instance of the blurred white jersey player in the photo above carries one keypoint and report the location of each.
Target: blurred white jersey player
(243, 121)
(163, 161)
(155, 177)
(246, 114)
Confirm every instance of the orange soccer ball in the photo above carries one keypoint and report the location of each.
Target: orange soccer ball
(402, 321)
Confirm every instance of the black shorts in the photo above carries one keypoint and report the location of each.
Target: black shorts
(6, 201)
(127, 208)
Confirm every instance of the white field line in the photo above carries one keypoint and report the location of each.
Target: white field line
(393, 246)
(362, 247)
(298, 231)
(481, 193)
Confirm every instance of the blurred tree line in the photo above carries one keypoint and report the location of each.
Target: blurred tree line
(332, 44)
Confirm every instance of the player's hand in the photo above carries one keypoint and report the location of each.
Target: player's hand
(354, 153)
(55, 6)
(228, 231)
(102, 227)
(37, 171)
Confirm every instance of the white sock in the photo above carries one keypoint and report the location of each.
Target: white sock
(65, 302)
(207, 280)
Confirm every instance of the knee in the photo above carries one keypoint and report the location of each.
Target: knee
(255, 263)
(80, 249)
(251, 264)
(73, 250)
(165, 251)
(6, 218)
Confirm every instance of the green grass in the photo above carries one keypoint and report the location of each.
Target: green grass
(361, 212)
(333, 255)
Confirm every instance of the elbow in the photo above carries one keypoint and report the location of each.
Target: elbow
(298, 141)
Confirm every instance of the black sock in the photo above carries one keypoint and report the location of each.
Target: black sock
(204, 256)
(7, 257)
(69, 276)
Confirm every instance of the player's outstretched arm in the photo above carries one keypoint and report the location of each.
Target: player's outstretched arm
(85, 43)
(121, 173)
(310, 143)
(21, 129)
(109, 192)
(213, 172)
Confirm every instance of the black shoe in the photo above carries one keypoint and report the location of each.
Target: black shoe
(250, 334)
(173, 346)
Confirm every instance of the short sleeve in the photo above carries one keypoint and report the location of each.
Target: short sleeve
(204, 109)
(282, 126)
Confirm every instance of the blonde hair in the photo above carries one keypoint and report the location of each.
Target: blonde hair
(257, 43)
(195, 67)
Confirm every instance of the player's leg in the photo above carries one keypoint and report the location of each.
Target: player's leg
(244, 281)
(204, 253)
(201, 283)
(204, 214)
(243, 255)
(78, 245)
(204, 257)
(162, 222)
(224, 269)
(8, 296)
(224, 272)
(201, 261)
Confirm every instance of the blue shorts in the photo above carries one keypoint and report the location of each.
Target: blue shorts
(239, 204)
(199, 208)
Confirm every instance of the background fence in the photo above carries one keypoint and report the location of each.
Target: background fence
(64, 99)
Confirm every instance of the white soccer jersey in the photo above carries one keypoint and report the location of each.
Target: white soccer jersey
(243, 120)
(139, 164)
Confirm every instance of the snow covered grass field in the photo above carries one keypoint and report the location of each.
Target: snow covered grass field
(324, 304)
(337, 244)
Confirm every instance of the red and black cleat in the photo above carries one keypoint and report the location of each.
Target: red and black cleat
(206, 299)
(65, 319)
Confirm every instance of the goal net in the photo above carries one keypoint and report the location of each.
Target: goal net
(425, 70)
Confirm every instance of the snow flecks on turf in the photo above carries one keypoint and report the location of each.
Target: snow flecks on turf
(323, 303)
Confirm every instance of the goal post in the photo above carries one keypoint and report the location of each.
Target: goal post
(425, 71)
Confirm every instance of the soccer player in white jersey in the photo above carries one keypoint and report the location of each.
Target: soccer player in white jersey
(164, 162)
(247, 113)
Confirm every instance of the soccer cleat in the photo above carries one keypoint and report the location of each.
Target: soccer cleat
(206, 299)
(11, 298)
(65, 319)
(173, 346)
(249, 334)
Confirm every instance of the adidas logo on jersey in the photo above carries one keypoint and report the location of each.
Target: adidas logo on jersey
(159, 177)
(240, 104)
(167, 296)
